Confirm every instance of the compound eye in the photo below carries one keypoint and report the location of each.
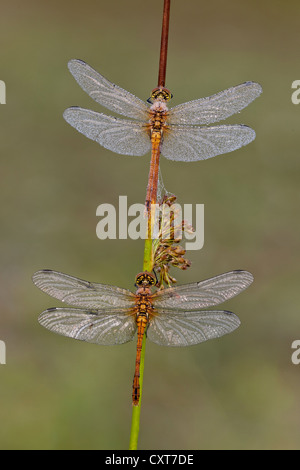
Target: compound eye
(167, 94)
(138, 280)
(155, 93)
(151, 280)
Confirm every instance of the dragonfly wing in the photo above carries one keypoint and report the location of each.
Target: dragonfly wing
(119, 135)
(107, 327)
(216, 107)
(106, 93)
(170, 328)
(193, 143)
(74, 291)
(203, 294)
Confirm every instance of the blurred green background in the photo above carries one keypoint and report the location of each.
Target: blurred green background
(238, 392)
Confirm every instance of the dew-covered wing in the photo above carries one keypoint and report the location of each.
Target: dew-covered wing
(106, 326)
(185, 328)
(193, 143)
(107, 93)
(119, 135)
(80, 293)
(208, 293)
(216, 107)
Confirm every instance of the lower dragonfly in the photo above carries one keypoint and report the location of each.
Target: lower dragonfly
(109, 315)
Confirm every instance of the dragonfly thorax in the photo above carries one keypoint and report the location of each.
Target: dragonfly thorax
(144, 305)
(159, 106)
(158, 116)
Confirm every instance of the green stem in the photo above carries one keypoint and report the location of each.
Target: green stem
(136, 410)
(148, 261)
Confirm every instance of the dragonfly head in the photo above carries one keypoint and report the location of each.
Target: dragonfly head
(145, 279)
(160, 93)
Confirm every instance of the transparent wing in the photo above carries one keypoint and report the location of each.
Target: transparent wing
(193, 143)
(96, 326)
(186, 328)
(203, 294)
(119, 135)
(216, 107)
(106, 93)
(74, 291)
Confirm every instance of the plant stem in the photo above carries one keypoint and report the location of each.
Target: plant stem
(148, 250)
(136, 410)
(164, 44)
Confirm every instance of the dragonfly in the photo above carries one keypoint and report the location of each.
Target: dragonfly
(180, 133)
(109, 315)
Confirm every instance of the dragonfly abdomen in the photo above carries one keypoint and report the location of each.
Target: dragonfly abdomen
(156, 141)
(142, 322)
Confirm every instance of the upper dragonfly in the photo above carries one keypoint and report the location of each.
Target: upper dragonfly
(179, 133)
(110, 315)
